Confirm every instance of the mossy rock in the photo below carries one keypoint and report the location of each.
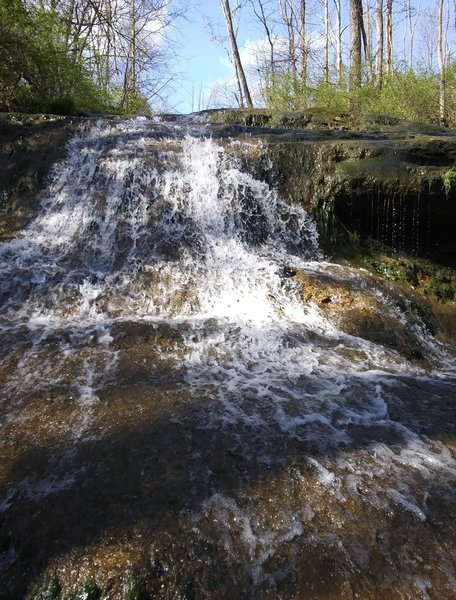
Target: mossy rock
(87, 591)
(356, 311)
(381, 329)
(48, 589)
(136, 591)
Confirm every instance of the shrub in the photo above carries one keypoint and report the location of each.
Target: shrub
(62, 106)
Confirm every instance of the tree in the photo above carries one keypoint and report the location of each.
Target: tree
(287, 13)
(441, 61)
(302, 40)
(389, 37)
(380, 41)
(259, 10)
(339, 63)
(355, 43)
(36, 71)
(326, 50)
(244, 92)
(122, 44)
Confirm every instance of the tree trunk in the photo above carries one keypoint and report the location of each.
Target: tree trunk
(440, 56)
(326, 52)
(264, 21)
(355, 44)
(411, 26)
(389, 37)
(367, 41)
(302, 40)
(286, 12)
(379, 51)
(339, 41)
(240, 75)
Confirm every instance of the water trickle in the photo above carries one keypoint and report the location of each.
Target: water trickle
(158, 354)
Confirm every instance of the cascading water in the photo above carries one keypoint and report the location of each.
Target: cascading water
(176, 416)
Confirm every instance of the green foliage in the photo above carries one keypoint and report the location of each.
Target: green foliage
(409, 95)
(136, 103)
(38, 74)
(62, 106)
(405, 94)
(448, 179)
(450, 83)
(285, 91)
(331, 96)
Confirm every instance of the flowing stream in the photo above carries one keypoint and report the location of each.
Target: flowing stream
(176, 416)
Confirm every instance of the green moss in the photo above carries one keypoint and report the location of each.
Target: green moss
(136, 590)
(87, 591)
(321, 117)
(449, 178)
(425, 276)
(48, 589)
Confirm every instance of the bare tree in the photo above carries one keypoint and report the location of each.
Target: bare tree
(380, 41)
(441, 61)
(412, 14)
(287, 13)
(428, 37)
(339, 63)
(366, 33)
(355, 43)
(240, 74)
(302, 40)
(389, 37)
(326, 47)
(259, 10)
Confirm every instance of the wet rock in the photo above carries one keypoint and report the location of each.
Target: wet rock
(350, 304)
(49, 589)
(389, 190)
(87, 591)
(365, 175)
(29, 146)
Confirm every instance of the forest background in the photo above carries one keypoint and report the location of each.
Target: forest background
(393, 57)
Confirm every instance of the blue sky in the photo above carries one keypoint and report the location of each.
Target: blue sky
(202, 62)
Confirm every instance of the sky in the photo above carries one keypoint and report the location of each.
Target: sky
(204, 64)
(201, 62)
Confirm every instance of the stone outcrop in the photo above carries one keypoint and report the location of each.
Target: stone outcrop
(365, 177)
(393, 316)
(392, 190)
(29, 146)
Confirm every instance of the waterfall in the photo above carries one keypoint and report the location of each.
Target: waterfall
(159, 358)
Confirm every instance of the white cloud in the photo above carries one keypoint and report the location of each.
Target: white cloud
(226, 62)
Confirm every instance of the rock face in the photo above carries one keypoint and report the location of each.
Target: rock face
(364, 177)
(178, 454)
(29, 146)
(392, 190)
(345, 297)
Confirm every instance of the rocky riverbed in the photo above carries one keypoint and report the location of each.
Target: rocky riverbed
(196, 401)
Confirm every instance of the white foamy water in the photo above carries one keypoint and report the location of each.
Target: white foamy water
(162, 226)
